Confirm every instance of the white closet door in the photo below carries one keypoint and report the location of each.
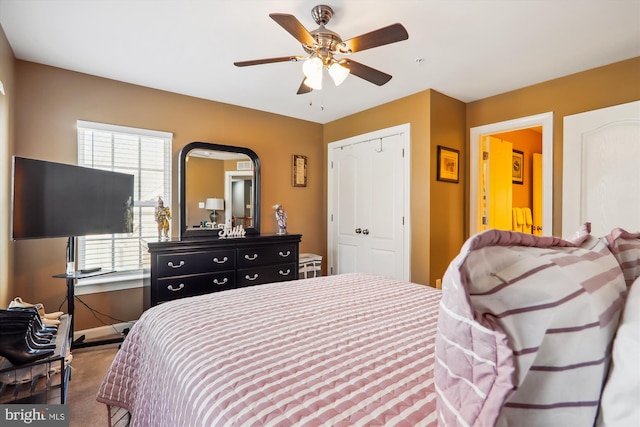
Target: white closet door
(601, 170)
(367, 206)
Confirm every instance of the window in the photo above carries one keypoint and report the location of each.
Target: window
(146, 154)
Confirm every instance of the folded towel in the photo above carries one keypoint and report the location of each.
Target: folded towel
(528, 221)
(517, 219)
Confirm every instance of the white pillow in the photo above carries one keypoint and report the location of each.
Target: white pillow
(619, 405)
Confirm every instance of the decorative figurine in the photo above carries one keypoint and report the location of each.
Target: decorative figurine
(128, 216)
(163, 215)
(281, 218)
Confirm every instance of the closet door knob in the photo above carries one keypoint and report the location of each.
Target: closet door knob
(358, 230)
(365, 231)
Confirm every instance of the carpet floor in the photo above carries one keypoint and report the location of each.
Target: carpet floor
(88, 367)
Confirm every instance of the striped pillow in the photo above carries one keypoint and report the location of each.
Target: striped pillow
(625, 247)
(525, 329)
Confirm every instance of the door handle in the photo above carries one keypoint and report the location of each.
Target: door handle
(358, 230)
(365, 231)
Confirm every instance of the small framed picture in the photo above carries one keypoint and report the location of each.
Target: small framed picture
(299, 172)
(517, 167)
(448, 167)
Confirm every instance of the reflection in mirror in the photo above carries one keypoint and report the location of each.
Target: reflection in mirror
(239, 191)
(219, 185)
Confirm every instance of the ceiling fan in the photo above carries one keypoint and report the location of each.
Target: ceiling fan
(322, 45)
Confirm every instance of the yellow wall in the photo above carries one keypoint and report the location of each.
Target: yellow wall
(447, 212)
(50, 100)
(601, 87)
(528, 141)
(206, 179)
(6, 149)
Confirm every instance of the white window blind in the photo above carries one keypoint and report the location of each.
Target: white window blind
(146, 154)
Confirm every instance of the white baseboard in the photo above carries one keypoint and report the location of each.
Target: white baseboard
(103, 331)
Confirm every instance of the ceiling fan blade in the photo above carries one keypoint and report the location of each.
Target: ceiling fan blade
(303, 88)
(293, 27)
(391, 34)
(367, 73)
(268, 61)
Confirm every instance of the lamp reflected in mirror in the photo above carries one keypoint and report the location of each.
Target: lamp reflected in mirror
(213, 205)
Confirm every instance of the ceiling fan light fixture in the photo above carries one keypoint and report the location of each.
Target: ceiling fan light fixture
(314, 83)
(312, 68)
(338, 73)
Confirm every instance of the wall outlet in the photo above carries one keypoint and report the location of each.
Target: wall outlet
(201, 205)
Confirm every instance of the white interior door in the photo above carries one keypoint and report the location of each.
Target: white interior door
(368, 205)
(498, 189)
(601, 170)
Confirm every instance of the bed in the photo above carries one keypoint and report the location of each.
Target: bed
(526, 332)
(342, 350)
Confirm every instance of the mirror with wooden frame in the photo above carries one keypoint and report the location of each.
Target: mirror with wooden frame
(218, 185)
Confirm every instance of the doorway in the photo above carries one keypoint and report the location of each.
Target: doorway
(478, 134)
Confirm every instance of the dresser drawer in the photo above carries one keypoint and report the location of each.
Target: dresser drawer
(267, 274)
(179, 287)
(266, 255)
(180, 264)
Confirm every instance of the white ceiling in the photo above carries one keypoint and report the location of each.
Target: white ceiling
(471, 49)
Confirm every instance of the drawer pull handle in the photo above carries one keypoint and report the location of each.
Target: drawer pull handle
(255, 276)
(220, 261)
(285, 273)
(251, 258)
(171, 288)
(170, 264)
(283, 255)
(217, 282)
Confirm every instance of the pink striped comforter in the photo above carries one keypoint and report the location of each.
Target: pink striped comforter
(343, 350)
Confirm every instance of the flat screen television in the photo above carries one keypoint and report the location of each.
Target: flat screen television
(59, 200)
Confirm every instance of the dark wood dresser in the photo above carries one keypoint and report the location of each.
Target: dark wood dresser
(195, 267)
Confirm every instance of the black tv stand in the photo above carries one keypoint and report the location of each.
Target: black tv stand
(71, 283)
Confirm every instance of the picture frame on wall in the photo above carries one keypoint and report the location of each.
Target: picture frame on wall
(517, 167)
(448, 165)
(299, 171)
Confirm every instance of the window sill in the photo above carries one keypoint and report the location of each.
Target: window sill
(110, 282)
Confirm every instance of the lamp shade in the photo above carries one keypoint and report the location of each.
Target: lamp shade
(338, 73)
(313, 83)
(312, 68)
(214, 204)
